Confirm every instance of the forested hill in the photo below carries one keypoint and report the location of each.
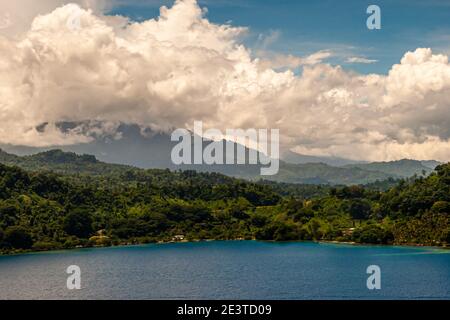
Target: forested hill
(310, 173)
(62, 162)
(70, 163)
(42, 210)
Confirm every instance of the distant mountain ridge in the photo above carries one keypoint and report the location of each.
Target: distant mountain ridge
(432, 164)
(403, 168)
(313, 173)
(152, 150)
(296, 158)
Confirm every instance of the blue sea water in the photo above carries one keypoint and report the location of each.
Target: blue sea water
(229, 270)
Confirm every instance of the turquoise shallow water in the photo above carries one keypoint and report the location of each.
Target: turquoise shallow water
(229, 270)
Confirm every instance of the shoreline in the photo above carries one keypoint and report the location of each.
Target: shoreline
(412, 245)
(349, 243)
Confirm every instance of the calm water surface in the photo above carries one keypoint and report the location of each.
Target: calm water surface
(229, 270)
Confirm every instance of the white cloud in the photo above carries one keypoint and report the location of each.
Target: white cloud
(360, 60)
(16, 16)
(317, 57)
(178, 68)
(266, 40)
(5, 20)
(279, 61)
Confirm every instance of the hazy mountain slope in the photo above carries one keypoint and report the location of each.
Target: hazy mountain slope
(132, 148)
(296, 158)
(402, 168)
(432, 164)
(320, 173)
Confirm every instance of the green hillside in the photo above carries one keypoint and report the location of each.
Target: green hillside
(41, 210)
(319, 173)
(62, 162)
(312, 173)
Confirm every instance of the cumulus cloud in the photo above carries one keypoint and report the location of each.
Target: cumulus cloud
(16, 16)
(179, 68)
(5, 20)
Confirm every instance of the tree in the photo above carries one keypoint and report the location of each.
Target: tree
(373, 234)
(259, 220)
(286, 231)
(360, 209)
(2, 235)
(351, 192)
(78, 223)
(18, 238)
(314, 229)
(9, 211)
(441, 207)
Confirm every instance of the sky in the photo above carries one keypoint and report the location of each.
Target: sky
(304, 27)
(311, 69)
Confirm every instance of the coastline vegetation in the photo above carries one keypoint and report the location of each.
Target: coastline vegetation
(41, 210)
